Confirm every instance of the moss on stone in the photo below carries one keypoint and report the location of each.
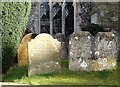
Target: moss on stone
(14, 19)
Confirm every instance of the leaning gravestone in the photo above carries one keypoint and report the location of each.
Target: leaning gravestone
(44, 55)
(80, 51)
(22, 54)
(92, 53)
(105, 51)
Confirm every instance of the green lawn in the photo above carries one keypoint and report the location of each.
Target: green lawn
(63, 77)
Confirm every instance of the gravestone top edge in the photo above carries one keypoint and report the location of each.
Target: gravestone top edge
(42, 36)
(77, 34)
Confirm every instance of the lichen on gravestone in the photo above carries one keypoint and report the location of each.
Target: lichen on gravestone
(93, 53)
(80, 50)
(106, 47)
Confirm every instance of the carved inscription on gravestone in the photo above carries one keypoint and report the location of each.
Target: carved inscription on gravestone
(93, 53)
(44, 55)
(80, 50)
(105, 51)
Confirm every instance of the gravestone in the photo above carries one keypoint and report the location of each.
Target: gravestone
(44, 55)
(22, 52)
(80, 51)
(64, 47)
(60, 37)
(93, 53)
(105, 51)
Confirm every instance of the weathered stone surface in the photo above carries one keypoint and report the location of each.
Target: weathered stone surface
(105, 51)
(44, 54)
(80, 50)
(23, 51)
(93, 53)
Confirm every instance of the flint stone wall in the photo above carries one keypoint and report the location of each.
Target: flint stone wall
(92, 53)
(33, 21)
(107, 14)
(44, 55)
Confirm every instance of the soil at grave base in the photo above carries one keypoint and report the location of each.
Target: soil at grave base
(10, 83)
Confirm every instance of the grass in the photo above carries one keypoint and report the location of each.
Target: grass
(0, 77)
(63, 77)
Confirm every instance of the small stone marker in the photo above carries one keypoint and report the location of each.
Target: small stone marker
(92, 53)
(80, 50)
(105, 51)
(64, 47)
(60, 37)
(44, 55)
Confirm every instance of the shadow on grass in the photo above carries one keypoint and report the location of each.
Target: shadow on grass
(63, 77)
(15, 73)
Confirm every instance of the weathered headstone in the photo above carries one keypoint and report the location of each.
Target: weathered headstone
(44, 55)
(23, 51)
(105, 51)
(93, 53)
(80, 51)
